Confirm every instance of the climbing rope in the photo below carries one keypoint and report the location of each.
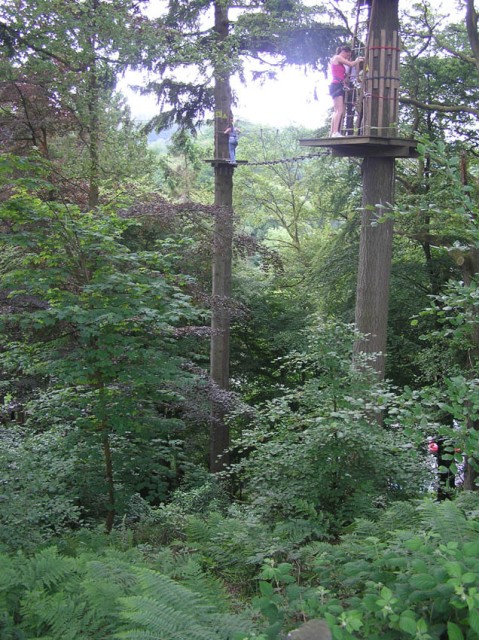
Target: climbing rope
(288, 160)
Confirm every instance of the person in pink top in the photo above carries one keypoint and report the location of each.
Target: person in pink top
(340, 66)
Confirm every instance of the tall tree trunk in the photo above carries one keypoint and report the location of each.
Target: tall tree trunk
(472, 34)
(110, 514)
(94, 117)
(469, 269)
(375, 251)
(94, 140)
(372, 297)
(222, 252)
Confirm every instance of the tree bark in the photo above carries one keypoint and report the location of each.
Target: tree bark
(110, 515)
(375, 251)
(222, 253)
(471, 26)
(94, 117)
(470, 268)
(94, 140)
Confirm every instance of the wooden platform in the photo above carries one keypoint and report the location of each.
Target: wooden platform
(222, 161)
(365, 146)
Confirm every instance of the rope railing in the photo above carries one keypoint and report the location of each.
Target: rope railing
(307, 156)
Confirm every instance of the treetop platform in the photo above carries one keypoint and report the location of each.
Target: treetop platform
(365, 146)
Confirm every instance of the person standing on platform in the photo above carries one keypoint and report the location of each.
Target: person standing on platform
(340, 67)
(233, 136)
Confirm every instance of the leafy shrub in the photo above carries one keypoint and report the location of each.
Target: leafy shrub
(199, 495)
(230, 543)
(417, 580)
(95, 348)
(318, 449)
(37, 502)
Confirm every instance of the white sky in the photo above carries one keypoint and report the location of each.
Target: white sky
(278, 103)
(295, 98)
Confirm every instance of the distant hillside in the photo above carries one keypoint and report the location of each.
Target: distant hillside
(162, 135)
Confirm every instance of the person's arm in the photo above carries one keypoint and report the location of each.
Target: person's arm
(227, 130)
(349, 63)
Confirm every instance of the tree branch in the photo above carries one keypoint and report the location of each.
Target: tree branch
(442, 108)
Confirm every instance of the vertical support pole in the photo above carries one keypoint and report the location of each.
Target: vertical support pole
(375, 252)
(381, 72)
(382, 122)
(394, 90)
(222, 250)
(374, 268)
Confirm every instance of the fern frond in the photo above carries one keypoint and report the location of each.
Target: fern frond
(46, 569)
(152, 619)
(300, 529)
(448, 521)
(72, 601)
(8, 574)
(112, 571)
(400, 515)
(192, 576)
(198, 530)
(61, 615)
(169, 611)
(364, 528)
(314, 550)
(468, 503)
(49, 597)
(169, 592)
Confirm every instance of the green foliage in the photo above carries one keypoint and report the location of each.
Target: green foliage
(316, 450)
(110, 594)
(269, 330)
(90, 360)
(95, 338)
(199, 495)
(167, 610)
(182, 174)
(441, 72)
(278, 200)
(414, 580)
(455, 312)
(438, 213)
(38, 499)
(229, 542)
(416, 576)
(61, 63)
(230, 545)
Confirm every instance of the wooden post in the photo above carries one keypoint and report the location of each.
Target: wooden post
(378, 145)
(375, 251)
(374, 267)
(381, 81)
(222, 251)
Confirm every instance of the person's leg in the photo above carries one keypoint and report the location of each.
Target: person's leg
(338, 110)
(232, 149)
